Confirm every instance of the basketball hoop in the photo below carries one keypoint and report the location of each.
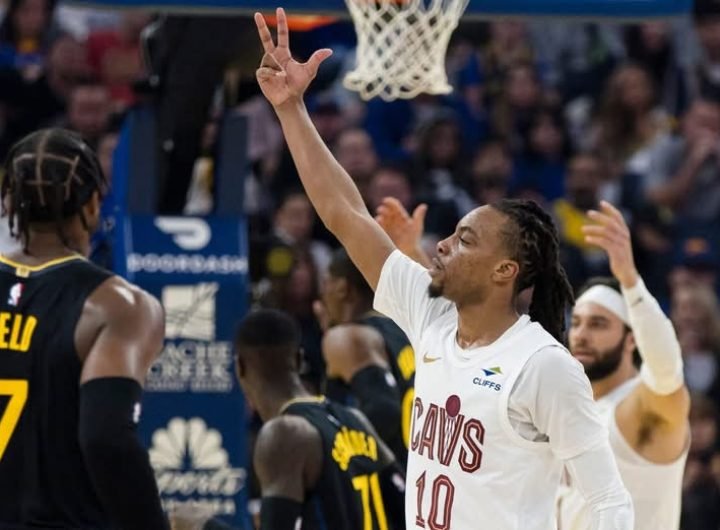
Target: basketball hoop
(401, 46)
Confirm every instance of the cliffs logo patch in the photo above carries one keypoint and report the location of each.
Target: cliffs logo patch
(489, 372)
(192, 467)
(487, 381)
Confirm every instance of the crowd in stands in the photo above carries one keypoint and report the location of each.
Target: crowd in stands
(567, 113)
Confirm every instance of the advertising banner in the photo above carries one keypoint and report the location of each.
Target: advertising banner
(194, 420)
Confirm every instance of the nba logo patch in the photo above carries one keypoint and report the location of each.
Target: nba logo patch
(15, 293)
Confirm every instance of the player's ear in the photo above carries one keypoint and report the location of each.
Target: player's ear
(630, 343)
(505, 271)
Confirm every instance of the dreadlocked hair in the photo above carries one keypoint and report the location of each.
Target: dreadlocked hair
(533, 242)
(48, 177)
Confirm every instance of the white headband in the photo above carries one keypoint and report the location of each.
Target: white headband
(608, 298)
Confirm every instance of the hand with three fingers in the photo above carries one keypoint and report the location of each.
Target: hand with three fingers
(282, 79)
(610, 232)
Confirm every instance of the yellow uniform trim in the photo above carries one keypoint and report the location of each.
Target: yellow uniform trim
(305, 399)
(24, 270)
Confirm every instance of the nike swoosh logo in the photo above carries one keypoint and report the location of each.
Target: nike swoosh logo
(427, 359)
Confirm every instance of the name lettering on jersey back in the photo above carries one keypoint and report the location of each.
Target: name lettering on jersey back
(406, 362)
(16, 331)
(443, 434)
(350, 443)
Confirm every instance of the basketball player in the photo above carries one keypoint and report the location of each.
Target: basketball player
(75, 345)
(366, 355)
(500, 406)
(317, 461)
(647, 412)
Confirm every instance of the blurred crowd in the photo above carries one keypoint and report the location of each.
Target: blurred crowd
(566, 113)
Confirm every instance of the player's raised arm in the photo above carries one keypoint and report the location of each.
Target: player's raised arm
(331, 190)
(662, 399)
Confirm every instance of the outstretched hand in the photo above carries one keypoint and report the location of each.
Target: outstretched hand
(611, 233)
(406, 231)
(281, 77)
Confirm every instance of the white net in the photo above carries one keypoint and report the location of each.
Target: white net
(402, 46)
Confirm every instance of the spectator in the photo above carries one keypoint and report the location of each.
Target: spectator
(30, 104)
(491, 173)
(89, 111)
(540, 168)
(508, 45)
(696, 317)
(684, 170)
(115, 58)
(440, 170)
(696, 262)
(25, 35)
(628, 120)
(293, 225)
(704, 79)
(513, 110)
(393, 181)
(650, 45)
(701, 494)
(585, 176)
(355, 152)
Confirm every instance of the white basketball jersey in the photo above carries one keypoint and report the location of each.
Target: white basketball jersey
(655, 488)
(467, 467)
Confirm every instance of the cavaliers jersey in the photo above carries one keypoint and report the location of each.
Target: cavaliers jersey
(656, 489)
(484, 450)
(43, 480)
(347, 494)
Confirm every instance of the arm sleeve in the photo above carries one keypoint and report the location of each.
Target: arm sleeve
(378, 398)
(402, 295)
(280, 513)
(116, 461)
(596, 476)
(662, 368)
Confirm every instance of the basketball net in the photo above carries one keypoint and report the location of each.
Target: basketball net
(401, 46)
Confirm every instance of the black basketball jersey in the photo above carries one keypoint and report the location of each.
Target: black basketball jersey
(347, 495)
(43, 480)
(402, 363)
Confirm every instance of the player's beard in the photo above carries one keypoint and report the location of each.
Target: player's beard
(607, 361)
(435, 291)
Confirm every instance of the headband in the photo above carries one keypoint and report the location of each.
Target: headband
(608, 298)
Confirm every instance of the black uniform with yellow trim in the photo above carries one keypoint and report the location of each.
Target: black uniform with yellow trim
(402, 363)
(386, 401)
(348, 493)
(43, 479)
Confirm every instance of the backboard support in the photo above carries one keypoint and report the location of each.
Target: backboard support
(477, 9)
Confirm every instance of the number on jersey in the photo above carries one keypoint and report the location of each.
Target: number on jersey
(441, 500)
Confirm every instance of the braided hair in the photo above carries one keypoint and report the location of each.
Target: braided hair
(533, 242)
(48, 177)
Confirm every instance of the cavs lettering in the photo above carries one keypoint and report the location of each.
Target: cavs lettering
(442, 433)
(16, 331)
(350, 443)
